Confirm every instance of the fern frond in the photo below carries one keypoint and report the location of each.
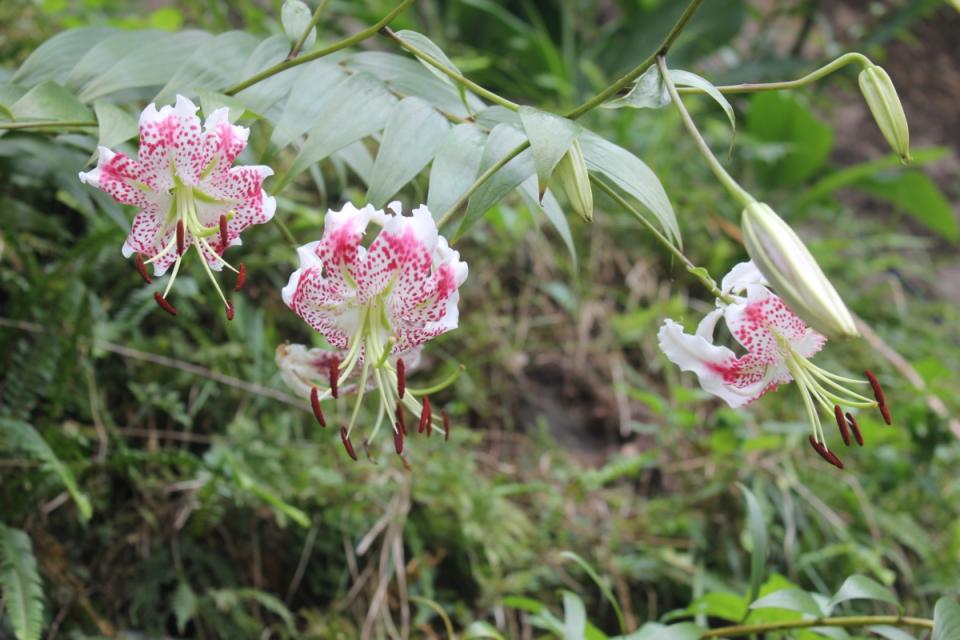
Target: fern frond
(20, 436)
(22, 589)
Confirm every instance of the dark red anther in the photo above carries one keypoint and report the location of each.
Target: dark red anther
(855, 427)
(842, 423)
(164, 304)
(180, 237)
(878, 394)
(229, 310)
(335, 378)
(826, 454)
(401, 422)
(398, 442)
(401, 378)
(347, 444)
(142, 268)
(223, 233)
(446, 425)
(315, 404)
(424, 415)
(241, 277)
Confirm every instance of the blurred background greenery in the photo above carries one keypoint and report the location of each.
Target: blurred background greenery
(572, 433)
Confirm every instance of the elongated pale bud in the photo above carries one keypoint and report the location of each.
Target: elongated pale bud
(884, 103)
(575, 181)
(793, 273)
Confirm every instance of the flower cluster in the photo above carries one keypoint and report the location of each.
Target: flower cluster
(779, 346)
(187, 192)
(376, 305)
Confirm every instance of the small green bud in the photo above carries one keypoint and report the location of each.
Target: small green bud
(881, 97)
(793, 273)
(575, 181)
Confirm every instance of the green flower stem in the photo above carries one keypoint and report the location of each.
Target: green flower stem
(638, 71)
(483, 177)
(360, 36)
(738, 192)
(285, 231)
(314, 19)
(698, 272)
(450, 73)
(47, 124)
(813, 76)
(840, 621)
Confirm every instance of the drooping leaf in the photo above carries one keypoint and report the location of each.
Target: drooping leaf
(633, 176)
(918, 195)
(946, 620)
(214, 65)
(858, 587)
(266, 96)
(682, 631)
(358, 158)
(455, 166)
(574, 617)
(648, 92)
(114, 124)
(54, 59)
(791, 599)
(784, 119)
(184, 605)
(210, 101)
(481, 630)
(688, 79)
(759, 540)
(410, 139)
(550, 137)
(226, 599)
(310, 97)
(20, 436)
(49, 101)
(551, 210)
(603, 586)
(295, 16)
(890, 633)
(720, 604)
(20, 584)
(427, 45)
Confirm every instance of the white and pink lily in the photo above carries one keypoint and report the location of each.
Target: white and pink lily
(187, 192)
(779, 347)
(376, 305)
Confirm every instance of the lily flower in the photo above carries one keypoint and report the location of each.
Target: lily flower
(376, 305)
(187, 192)
(779, 349)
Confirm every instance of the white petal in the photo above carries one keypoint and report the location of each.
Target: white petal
(708, 325)
(308, 259)
(743, 274)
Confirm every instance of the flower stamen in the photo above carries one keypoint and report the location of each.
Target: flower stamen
(241, 277)
(164, 303)
(842, 423)
(855, 427)
(347, 444)
(315, 405)
(424, 415)
(142, 268)
(878, 394)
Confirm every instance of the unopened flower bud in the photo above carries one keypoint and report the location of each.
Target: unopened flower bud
(881, 97)
(793, 273)
(575, 181)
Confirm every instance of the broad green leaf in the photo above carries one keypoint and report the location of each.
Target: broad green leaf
(687, 79)
(358, 158)
(455, 167)
(210, 101)
(54, 59)
(20, 436)
(782, 118)
(9, 94)
(602, 585)
(633, 176)
(410, 139)
(317, 84)
(266, 96)
(946, 620)
(148, 59)
(502, 141)
(648, 92)
(574, 617)
(427, 45)
(919, 196)
(20, 584)
(49, 101)
(890, 633)
(792, 599)
(720, 604)
(550, 136)
(481, 630)
(522, 603)
(551, 210)
(115, 125)
(184, 605)
(360, 106)
(214, 65)
(858, 587)
(682, 631)
(759, 540)
(111, 51)
(295, 16)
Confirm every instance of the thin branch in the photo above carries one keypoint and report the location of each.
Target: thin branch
(739, 630)
(47, 124)
(314, 19)
(813, 76)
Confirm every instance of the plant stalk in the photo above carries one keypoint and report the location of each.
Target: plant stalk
(840, 621)
(314, 19)
(813, 76)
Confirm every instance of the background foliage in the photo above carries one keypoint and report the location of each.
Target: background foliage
(156, 477)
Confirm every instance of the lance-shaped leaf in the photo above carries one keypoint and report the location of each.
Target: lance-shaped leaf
(295, 16)
(215, 65)
(20, 584)
(310, 98)
(455, 167)
(550, 137)
(552, 210)
(688, 79)
(858, 587)
(49, 101)
(791, 599)
(427, 45)
(54, 59)
(946, 619)
(115, 125)
(410, 140)
(759, 540)
(648, 92)
(266, 96)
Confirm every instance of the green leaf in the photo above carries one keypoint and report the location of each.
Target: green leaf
(502, 140)
(601, 584)
(115, 124)
(759, 540)
(550, 136)
(410, 140)
(455, 167)
(316, 86)
(574, 617)
(54, 59)
(184, 605)
(522, 603)
(49, 101)
(687, 79)
(633, 176)
(427, 45)
(20, 581)
(551, 210)
(946, 620)
(720, 604)
(858, 587)
(791, 599)
(682, 631)
(918, 195)
(295, 16)
(226, 599)
(648, 92)
(481, 630)
(210, 101)
(782, 118)
(215, 64)
(359, 107)
(890, 633)
(20, 436)
(265, 96)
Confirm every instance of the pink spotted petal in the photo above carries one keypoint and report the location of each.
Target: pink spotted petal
(222, 143)
(302, 368)
(170, 143)
(324, 303)
(120, 176)
(763, 322)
